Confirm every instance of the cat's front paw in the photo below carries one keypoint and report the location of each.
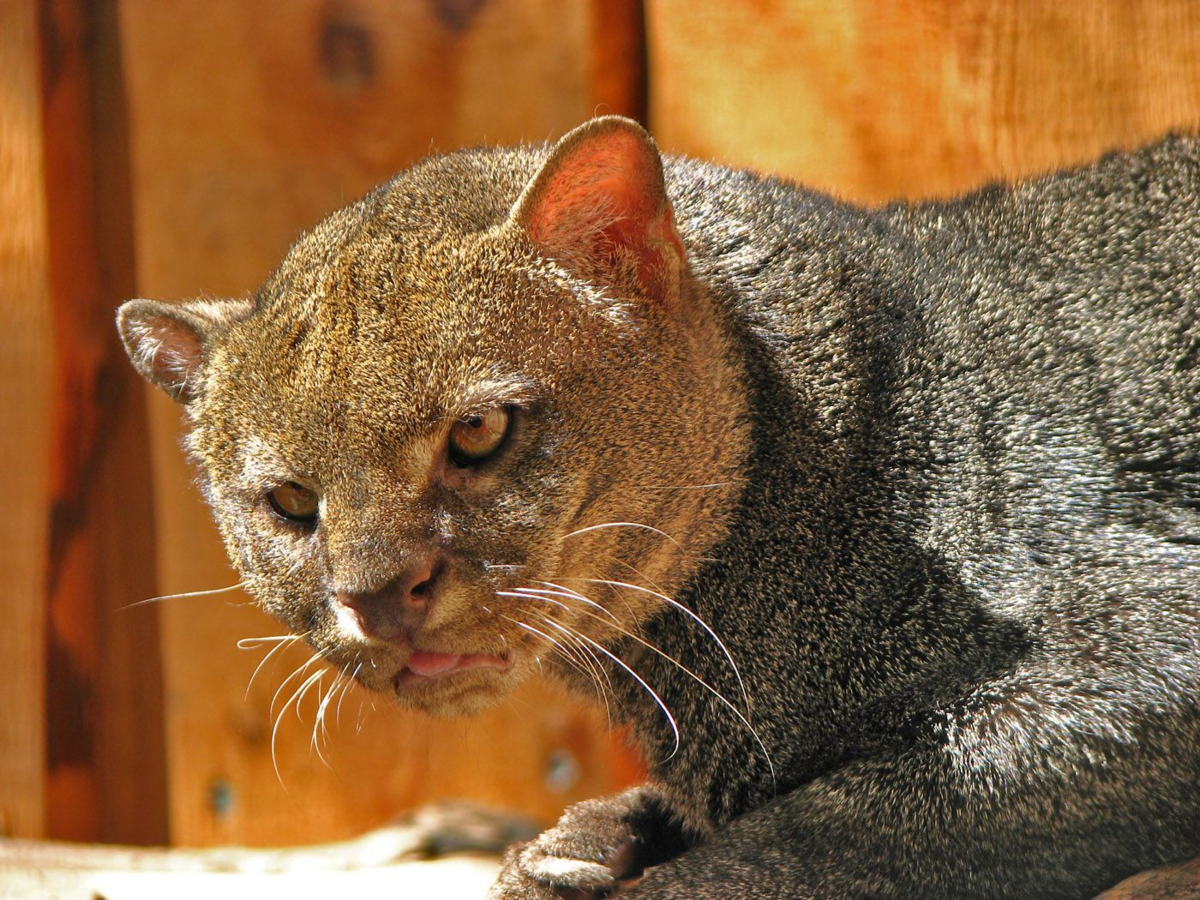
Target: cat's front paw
(586, 855)
(531, 873)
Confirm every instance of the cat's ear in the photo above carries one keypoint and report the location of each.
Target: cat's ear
(168, 342)
(599, 205)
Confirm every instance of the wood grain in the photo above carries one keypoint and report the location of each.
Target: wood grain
(878, 99)
(248, 123)
(105, 752)
(25, 438)
(618, 57)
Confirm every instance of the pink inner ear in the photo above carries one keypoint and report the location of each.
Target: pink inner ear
(605, 198)
(172, 350)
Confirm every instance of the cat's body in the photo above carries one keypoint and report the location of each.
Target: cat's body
(931, 474)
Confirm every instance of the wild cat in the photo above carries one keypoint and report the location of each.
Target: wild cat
(881, 527)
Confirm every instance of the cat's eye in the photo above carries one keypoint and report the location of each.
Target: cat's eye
(295, 503)
(479, 436)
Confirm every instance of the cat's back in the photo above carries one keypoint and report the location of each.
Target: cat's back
(1039, 342)
(1099, 260)
(1062, 349)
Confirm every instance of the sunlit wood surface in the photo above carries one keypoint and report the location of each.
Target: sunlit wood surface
(879, 99)
(26, 371)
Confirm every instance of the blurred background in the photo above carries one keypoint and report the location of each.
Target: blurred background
(175, 148)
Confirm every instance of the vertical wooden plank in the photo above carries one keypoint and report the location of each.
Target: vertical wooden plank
(105, 744)
(72, 786)
(25, 391)
(618, 49)
(877, 99)
(250, 122)
(132, 737)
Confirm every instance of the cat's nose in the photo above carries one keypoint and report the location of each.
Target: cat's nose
(394, 611)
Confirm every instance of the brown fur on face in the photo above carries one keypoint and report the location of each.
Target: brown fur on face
(550, 284)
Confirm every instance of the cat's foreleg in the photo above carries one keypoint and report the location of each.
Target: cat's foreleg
(924, 823)
(595, 846)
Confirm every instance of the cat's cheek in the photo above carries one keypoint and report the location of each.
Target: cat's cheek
(285, 565)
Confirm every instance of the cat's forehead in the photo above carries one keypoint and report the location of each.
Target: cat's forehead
(363, 348)
(390, 315)
(457, 194)
(414, 253)
(353, 386)
(396, 344)
(395, 303)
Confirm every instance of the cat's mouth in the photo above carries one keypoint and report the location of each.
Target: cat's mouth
(424, 667)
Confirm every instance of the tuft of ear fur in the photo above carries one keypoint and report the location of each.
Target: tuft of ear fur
(168, 342)
(599, 205)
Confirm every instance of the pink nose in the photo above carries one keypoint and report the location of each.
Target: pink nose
(394, 611)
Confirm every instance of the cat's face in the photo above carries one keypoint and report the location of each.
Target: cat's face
(452, 457)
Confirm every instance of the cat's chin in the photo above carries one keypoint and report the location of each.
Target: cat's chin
(456, 686)
(457, 706)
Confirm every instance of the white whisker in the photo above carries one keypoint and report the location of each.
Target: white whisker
(320, 731)
(557, 647)
(296, 697)
(684, 487)
(575, 595)
(252, 643)
(569, 633)
(594, 666)
(683, 609)
(623, 525)
(636, 677)
(646, 579)
(561, 650)
(524, 595)
(185, 595)
(345, 690)
(538, 594)
(299, 670)
(741, 718)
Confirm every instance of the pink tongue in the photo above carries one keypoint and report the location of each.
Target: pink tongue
(428, 664)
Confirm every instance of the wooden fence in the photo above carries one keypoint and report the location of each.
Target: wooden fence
(174, 148)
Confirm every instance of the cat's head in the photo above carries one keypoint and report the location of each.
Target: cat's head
(472, 423)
